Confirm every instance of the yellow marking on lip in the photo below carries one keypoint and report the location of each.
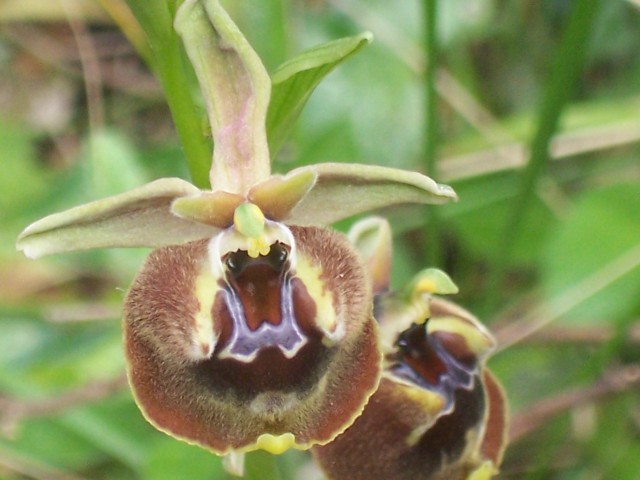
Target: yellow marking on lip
(430, 402)
(323, 298)
(477, 339)
(432, 405)
(204, 337)
(276, 444)
(483, 472)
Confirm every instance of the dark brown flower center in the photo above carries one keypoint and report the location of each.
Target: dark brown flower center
(425, 360)
(258, 301)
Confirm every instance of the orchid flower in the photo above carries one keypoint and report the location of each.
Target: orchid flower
(438, 413)
(251, 325)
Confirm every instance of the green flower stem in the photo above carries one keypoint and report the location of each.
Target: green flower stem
(187, 120)
(559, 87)
(260, 465)
(169, 62)
(430, 137)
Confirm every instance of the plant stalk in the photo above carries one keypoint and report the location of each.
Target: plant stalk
(431, 127)
(558, 89)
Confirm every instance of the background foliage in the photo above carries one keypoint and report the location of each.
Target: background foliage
(82, 117)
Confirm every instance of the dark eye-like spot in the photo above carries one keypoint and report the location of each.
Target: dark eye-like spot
(278, 255)
(233, 262)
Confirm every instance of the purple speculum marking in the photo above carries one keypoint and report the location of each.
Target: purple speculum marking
(267, 328)
(245, 343)
(422, 353)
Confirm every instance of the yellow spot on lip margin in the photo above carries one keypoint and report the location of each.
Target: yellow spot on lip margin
(311, 275)
(483, 472)
(276, 444)
(203, 335)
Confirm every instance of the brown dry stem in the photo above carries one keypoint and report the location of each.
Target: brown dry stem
(614, 382)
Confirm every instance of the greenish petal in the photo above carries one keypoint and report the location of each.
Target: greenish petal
(343, 190)
(138, 218)
(211, 208)
(373, 240)
(236, 90)
(275, 197)
(297, 78)
(278, 195)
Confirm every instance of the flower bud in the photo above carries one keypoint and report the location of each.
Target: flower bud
(437, 415)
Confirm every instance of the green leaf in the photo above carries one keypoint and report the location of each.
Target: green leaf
(592, 255)
(22, 182)
(236, 90)
(172, 459)
(558, 90)
(343, 190)
(18, 168)
(105, 432)
(47, 445)
(478, 220)
(295, 80)
(138, 218)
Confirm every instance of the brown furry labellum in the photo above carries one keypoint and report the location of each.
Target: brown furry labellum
(437, 415)
(237, 351)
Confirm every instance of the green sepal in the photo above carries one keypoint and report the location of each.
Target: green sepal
(343, 190)
(139, 218)
(373, 240)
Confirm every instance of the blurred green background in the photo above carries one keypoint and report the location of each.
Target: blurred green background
(547, 256)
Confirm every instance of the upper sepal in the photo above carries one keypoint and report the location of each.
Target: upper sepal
(236, 90)
(138, 218)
